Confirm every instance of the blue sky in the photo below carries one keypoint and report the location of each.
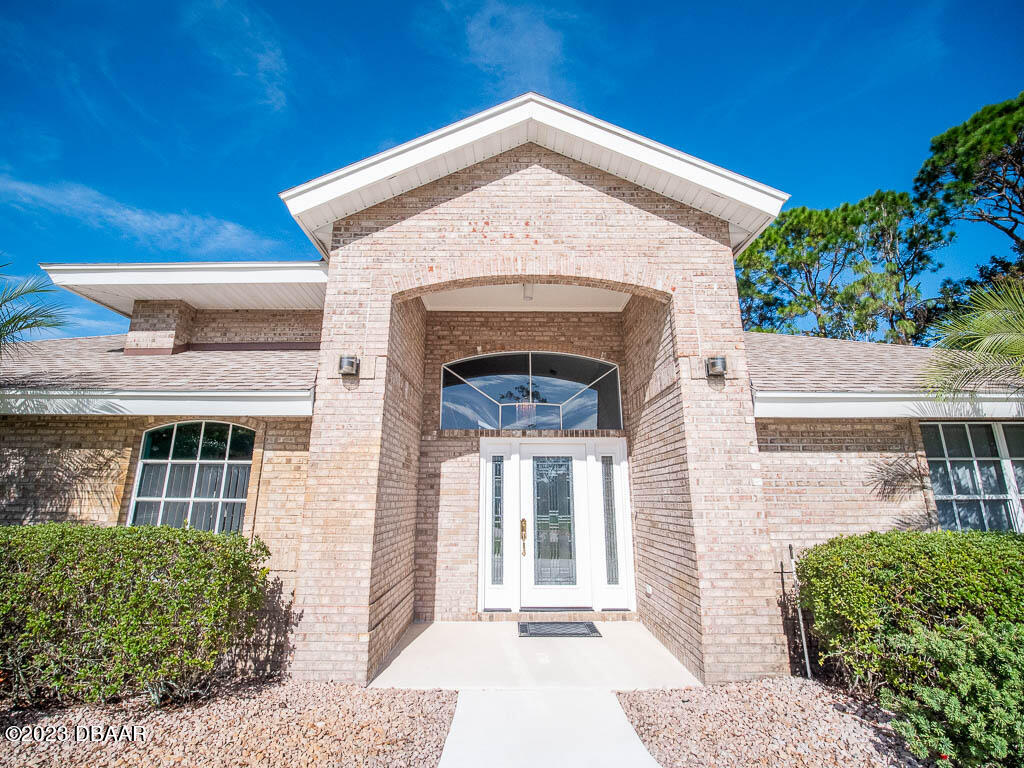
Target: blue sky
(163, 132)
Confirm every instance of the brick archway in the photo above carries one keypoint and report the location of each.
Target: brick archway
(608, 274)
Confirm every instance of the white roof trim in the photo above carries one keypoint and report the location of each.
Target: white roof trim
(884, 405)
(298, 402)
(204, 285)
(747, 205)
(201, 271)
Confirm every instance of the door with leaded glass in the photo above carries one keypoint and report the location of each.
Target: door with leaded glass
(554, 527)
(554, 524)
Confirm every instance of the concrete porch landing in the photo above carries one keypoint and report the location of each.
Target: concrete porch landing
(477, 655)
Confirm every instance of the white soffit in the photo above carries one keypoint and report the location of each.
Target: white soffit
(510, 298)
(203, 285)
(884, 405)
(747, 205)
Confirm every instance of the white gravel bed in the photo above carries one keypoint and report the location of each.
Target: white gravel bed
(765, 723)
(291, 724)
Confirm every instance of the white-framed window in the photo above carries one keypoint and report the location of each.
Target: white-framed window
(194, 474)
(530, 390)
(977, 474)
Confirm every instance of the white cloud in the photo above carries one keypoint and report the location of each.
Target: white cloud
(518, 44)
(244, 43)
(180, 232)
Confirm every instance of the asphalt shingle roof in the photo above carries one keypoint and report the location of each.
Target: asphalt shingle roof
(777, 363)
(99, 362)
(806, 364)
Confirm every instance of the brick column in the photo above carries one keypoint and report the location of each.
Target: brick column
(741, 622)
(356, 569)
(159, 328)
(336, 544)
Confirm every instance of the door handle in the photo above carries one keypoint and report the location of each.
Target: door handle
(522, 533)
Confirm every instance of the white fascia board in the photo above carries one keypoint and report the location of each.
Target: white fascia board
(297, 402)
(663, 158)
(187, 273)
(403, 157)
(884, 405)
(533, 110)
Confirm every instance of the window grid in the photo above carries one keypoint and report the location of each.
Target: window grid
(956, 500)
(197, 463)
(445, 367)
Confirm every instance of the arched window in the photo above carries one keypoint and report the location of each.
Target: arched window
(194, 474)
(530, 390)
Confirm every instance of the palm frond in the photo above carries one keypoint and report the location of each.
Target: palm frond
(25, 308)
(981, 348)
(30, 287)
(959, 371)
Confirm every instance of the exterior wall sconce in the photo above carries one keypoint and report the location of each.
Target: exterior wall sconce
(527, 291)
(715, 366)
(348, 365)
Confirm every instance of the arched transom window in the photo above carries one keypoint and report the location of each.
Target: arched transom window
(194, 474)
(530, 390)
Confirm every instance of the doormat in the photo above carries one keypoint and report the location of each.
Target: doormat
(558, 629)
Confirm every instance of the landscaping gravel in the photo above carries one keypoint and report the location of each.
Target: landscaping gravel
(291, 724)
(764, 723)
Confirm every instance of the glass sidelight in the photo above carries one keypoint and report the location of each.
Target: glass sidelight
(553, 532)
(497, 519)
(611, 546)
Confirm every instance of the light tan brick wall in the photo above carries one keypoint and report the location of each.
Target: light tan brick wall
(531, 215)
(663, 532)
(64, 468)
(244, 326)
(448, 516)
(392, 571)
(447, 528)
(83, 469)
(160, 327)
(830, 477)
(281, 492)
(166, 327)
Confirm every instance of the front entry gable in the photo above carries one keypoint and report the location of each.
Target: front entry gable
(746, 205)
(527, 203)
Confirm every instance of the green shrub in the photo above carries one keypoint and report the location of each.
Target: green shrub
(864, 590)
(969, 701)
(90, 613)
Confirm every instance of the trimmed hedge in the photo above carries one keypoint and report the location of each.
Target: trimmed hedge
(862, 590)
(934, 622)
(968, 704)
(94, 614)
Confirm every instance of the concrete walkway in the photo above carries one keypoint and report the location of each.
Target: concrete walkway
(550, 727)
(530, 701)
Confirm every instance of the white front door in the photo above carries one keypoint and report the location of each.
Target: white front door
(555, 525)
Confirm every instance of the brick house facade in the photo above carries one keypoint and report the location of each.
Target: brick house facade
(529, 232)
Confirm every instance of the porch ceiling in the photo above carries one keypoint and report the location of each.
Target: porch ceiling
(512, 297)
